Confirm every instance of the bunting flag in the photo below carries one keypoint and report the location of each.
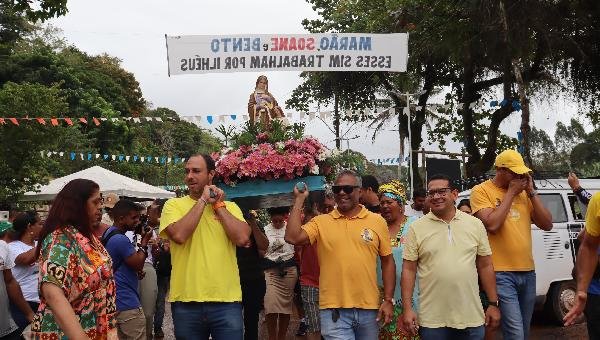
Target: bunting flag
(58, 121)
(386, 161)
(88, 156)
(222, 118)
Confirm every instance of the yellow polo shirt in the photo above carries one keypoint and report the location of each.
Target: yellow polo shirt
(511, 244)
(445, 255)
(348, 250)
(205, 266)
(592, 217)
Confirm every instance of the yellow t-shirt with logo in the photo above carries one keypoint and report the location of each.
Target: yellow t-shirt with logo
(445, 254)
(348, 250)
(204, 268)
(592, 217)
(511, 244)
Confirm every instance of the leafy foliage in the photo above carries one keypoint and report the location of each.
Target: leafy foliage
(252, 133)
(42, 77)
(470, 49)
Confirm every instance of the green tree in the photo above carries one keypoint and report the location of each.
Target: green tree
(21, 164)
(476, 49)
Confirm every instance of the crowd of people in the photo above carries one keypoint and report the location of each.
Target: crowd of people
(360, 261)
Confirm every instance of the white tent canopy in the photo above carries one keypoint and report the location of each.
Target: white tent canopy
(109, 182)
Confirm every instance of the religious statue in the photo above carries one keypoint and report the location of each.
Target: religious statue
(262, 104)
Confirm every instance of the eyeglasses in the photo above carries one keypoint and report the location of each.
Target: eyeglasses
(348, 189)
(441, 192)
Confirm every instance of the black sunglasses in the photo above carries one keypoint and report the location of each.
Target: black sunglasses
(348, 189)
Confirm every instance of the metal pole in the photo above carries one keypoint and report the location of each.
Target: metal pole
(401, 150)
(410, 153)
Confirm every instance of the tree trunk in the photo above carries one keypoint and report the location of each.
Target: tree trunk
(525, 128)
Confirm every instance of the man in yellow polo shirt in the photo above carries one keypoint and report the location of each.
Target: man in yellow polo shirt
(507, 205)
(349, 239)
(449, 249)
(204, 230)
(587, 259)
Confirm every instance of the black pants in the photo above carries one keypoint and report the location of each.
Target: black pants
(19, 317)
(16, 335)
(253, 295)
(592, 313)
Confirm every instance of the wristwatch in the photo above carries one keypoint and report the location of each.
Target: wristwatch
(533, 193)
(494, 303)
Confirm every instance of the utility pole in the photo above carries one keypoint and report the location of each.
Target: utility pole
(336, 121)
(410, 153)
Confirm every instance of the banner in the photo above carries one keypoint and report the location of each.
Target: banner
(189, 54)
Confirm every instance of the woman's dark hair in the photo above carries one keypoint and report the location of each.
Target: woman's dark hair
(22, 221)
(69, 208)
(464, 202)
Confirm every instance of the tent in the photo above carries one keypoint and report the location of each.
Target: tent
(109, 182)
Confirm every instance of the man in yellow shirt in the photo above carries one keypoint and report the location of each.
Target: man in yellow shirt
(450, 249)
(348, 239)
(587, 258)
(507, 205)
(204, 230)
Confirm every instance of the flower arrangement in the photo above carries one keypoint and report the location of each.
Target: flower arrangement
(279, 152)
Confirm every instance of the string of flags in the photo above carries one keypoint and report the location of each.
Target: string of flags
(388, 161)
(112, 158)
(59, 121)
(174, 187)
(211, 119)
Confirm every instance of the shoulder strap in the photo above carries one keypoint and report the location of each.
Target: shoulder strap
(106, 237)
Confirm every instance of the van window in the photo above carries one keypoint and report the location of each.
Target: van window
(576, 208)
(554, 203)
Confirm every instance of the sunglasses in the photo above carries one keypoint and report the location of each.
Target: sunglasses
(348, 189)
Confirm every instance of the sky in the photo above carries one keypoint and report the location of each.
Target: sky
(134, 31)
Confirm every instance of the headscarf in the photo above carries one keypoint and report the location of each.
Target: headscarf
(5, 226)
(394, 190)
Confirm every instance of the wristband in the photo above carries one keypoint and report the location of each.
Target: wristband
(219, 204)
(203, 200)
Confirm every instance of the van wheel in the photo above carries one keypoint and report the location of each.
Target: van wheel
(561, 299)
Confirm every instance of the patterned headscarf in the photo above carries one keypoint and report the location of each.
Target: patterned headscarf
(394, 190)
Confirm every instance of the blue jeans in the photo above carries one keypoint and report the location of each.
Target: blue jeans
(199, 320)
(447, 333)
(353, 323)
(516, 291)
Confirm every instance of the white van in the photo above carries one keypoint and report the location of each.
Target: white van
(554, 251)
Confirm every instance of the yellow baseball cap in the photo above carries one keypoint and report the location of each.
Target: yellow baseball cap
(513, 161)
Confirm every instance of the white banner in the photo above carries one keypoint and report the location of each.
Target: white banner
(287, 52)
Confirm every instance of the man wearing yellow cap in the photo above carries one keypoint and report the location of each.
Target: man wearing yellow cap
(508, 204)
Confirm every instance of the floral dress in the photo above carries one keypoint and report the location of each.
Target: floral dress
(392, 331)
(83, 269)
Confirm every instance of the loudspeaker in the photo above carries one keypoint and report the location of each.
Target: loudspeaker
(448, 167)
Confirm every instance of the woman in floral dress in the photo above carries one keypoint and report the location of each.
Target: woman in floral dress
(392, 198)
(76, 280)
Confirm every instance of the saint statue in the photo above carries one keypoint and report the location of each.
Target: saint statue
(262, 105)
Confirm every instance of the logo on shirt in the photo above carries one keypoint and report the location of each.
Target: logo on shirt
(514, 214)
(367, 235)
